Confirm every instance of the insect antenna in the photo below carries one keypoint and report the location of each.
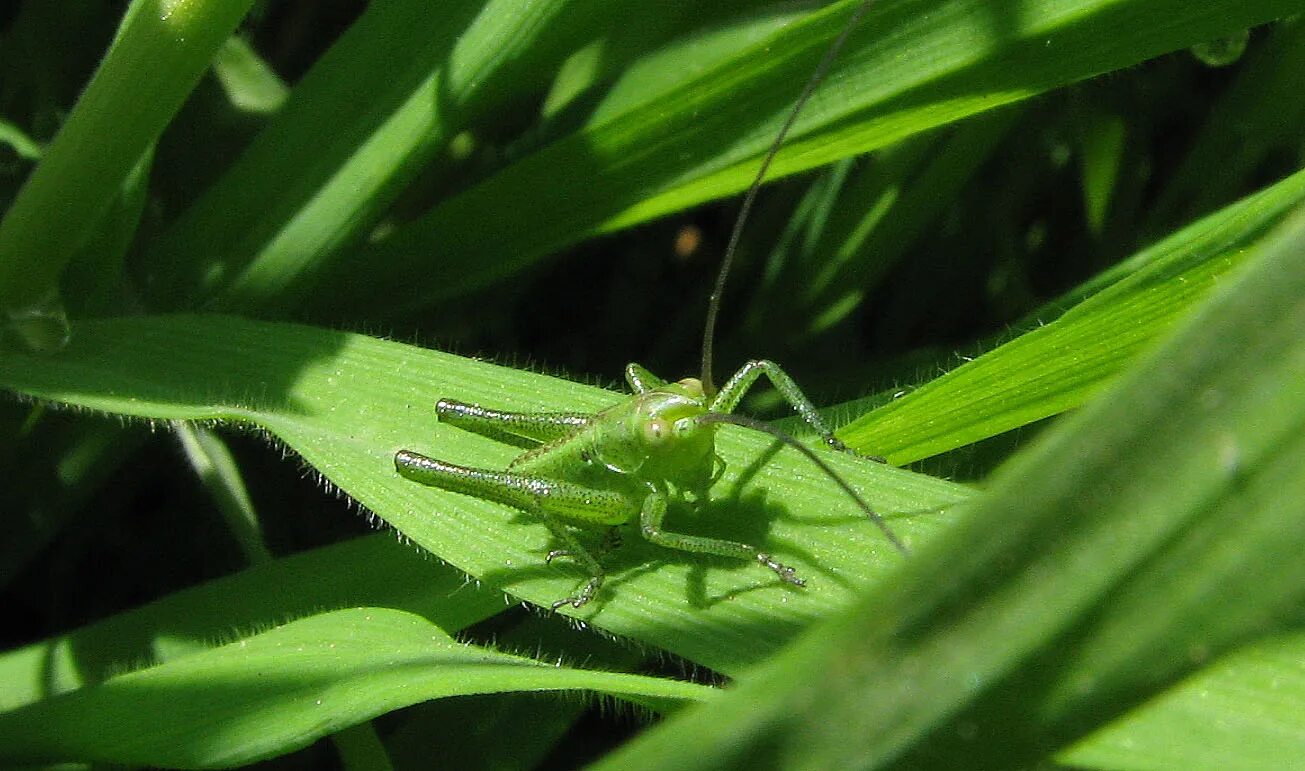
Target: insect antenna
(713, 304)
(765, 428)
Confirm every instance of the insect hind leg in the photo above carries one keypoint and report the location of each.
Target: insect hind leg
(552, 501)
(536, 426)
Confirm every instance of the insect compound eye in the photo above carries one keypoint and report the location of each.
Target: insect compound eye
(656, 431)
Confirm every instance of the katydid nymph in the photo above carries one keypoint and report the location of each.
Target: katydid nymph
(626, 463)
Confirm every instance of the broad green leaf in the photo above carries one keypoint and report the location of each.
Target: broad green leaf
(1059, 366)
(374, 571)
(347, 403)
(1079, 611)
(1247, 708)
(281, 690)
(1158, 526)
(911, 66)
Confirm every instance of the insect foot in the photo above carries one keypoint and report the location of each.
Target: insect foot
(587, 594)
(785, 573)
(611, 540)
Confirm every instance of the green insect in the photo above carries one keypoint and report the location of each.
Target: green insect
(628, 462)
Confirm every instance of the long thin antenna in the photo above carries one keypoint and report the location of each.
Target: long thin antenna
(713, 305)
(766, 428)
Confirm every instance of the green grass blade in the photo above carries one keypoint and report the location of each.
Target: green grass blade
(347, 403)
(281, 690)
(1161, 521)
(1269, 107)
(92, 285)
(358, 128)
(515, 731)
(159, 53)
(359, 124)
(17, 140)
(910, 67)
(1059, 366)
(360, 747)
(374, 571)
(251, 85)
(1101, 155)
(881, 208)
(73, 459)
(1248, 708)
(217, 469)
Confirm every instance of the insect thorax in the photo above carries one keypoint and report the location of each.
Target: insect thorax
(656, 437)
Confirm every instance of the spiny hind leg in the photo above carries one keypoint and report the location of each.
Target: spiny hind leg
(538, 426)
(552, 501)
(737, 386)
(650, 524)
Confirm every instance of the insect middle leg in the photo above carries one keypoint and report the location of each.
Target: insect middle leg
(737, 386)
(650, 524)
(611, 540)
(551, 500)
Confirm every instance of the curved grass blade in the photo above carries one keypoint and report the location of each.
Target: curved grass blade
(347, 403)
(911, 66)
(374, 571)
(281, 690)
(1060, 365)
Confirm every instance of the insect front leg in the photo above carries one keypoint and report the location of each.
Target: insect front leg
(650, 524)
(640, 379)
(553, 501)
(737, 386)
